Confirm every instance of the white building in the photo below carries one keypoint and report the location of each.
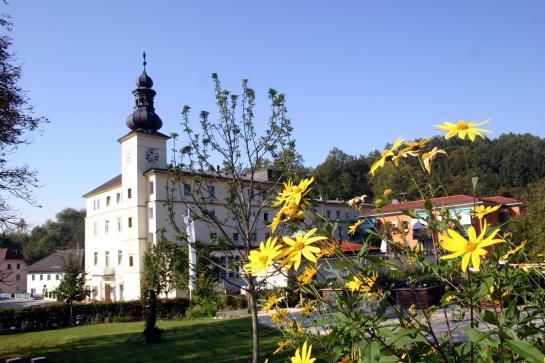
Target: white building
(124, 214)
(44, 276)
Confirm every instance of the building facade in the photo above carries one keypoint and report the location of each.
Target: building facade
(44, 276)
(414, 233)
(125, 213)
(12, 271)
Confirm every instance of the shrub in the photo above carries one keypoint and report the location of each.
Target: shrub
(56, 315)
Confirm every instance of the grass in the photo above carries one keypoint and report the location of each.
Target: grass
(183, 341)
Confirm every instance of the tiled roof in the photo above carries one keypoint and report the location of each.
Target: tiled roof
(9, 254)
(108, 185)
(443, 202)
(55, 262)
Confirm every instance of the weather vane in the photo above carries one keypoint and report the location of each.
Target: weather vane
(144, 56)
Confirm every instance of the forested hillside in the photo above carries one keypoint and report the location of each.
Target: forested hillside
(505, 166)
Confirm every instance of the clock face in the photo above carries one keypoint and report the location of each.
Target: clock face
(152, 156)
(128, 156)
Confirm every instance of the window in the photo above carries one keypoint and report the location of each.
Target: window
(119, 257)
(150, 212)
(119, 224)
(254, 237)
(48, 277)
(33, 277)
(41, 277)
(131, 260)
(94, 205)
(98, 203)
(211, 191)
(95, 258)
(106, 226)
(129, 193)
(118, 198)
(251, 194)
(95, 228)
(18, 266)
(265, 217)
(9, 266)
(151, 188)
(328, 214)
(338, 214)
(212, 214)
(107, 258)
(57, 277)
(187, 190)
(130, 222)
(235, 237)
(108, 201)
(18, 277)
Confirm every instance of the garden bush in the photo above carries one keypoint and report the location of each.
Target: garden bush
(57, 315)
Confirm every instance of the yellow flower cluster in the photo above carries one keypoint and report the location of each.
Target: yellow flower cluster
(364, 286)
(271, 302)
(292, 201)
(462, 129)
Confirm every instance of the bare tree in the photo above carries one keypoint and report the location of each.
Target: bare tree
(231, 138)
(16, 119)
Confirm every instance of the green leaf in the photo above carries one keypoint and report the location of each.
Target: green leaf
(526, 350)
(474, 182)
(371, 353)
(481, 338)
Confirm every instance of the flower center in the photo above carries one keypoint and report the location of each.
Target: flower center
(462, 125)
(299, 245)
(471, 246)
(263, 259)
(296, 189)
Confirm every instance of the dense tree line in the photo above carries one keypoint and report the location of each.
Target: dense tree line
(65, 232)
(505, 166)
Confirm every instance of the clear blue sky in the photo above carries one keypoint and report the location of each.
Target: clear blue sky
(357, 74)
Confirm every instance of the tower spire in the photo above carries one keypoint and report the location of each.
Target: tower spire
(144, 117)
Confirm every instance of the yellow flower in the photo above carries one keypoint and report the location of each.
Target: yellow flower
(482, 211)
(301, 246)
(279, 316)
(513, 251)
(271, 302)
(472, 248)
(379, 203)
(307, 275)
(428, 157)
(296, 327)
(386, 156)
(356, 202)
(463, 129)
(287, 214)
(293, 194)
(387, 192)
(282, 346)
(303, 355)
(308, 308)
(353, 228)
(364, 286)
(261, 259)
(328, 247)
(413, 148)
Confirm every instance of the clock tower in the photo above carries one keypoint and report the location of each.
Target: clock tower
(142, 149)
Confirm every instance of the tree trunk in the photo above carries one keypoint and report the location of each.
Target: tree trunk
(255, 325)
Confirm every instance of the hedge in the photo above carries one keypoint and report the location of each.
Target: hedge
(57, 315)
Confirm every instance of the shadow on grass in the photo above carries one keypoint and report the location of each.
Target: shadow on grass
(206, 341)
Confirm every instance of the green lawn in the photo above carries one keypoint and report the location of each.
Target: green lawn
(183, 341)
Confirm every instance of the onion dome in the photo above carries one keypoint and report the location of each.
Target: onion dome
(144, 117)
